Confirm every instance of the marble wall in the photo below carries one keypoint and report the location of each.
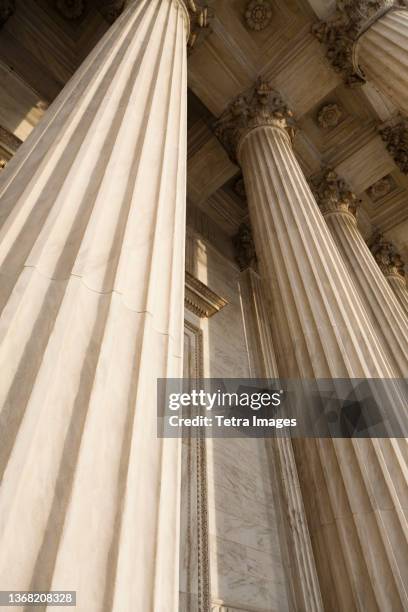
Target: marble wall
(245, 559)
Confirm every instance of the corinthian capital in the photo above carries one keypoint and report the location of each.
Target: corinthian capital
(7, 8)
(395, 136)
(200, 16)
(245, 254)
(333, 194)
(111, 9)
(352, 18)
(387, 257)
(198, 13)
(260, 106)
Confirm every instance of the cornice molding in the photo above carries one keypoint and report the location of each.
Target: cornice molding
(259, 107)
(200, 299)
(7, 8)
(340, 34)
(333, 195)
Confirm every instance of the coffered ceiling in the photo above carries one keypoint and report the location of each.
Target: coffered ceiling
(40, 49)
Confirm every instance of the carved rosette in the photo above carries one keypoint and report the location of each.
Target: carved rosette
(352, 18)
(329, 116)
(261, 106)
(258, 14)
(7, 8)
(380, 189)
(387, 257)
(395, 137)
(70, 9)
(245, 254)
(333, 195)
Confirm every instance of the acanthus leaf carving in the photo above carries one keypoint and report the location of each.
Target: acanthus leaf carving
(332, 193)
(245, 253)
(352, 18)
(395, 136)
(260, 106)
(386, 256)
(200, 17)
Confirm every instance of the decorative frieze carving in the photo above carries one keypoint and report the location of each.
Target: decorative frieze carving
(395, 136)
(201, 300)
(7, 8)
(353, 17)
(260, 106)
(386, 255)
(332, 193)
(111, 9)
(70, 9)
(258, 14)
(329, 116)
(245, 254)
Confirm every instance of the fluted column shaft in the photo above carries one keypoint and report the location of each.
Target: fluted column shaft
(303, 264)
(399, 286)
(355, 491)
(92, 232)
(353, 505)
(387, 316)
(382, 53)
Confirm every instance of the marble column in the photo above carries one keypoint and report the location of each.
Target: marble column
(355, 491)
(392, 266)
(338, 206)
(92, 233)
(368, 41)
(381, 52)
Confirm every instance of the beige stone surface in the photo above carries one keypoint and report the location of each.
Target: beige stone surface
(92, 264)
